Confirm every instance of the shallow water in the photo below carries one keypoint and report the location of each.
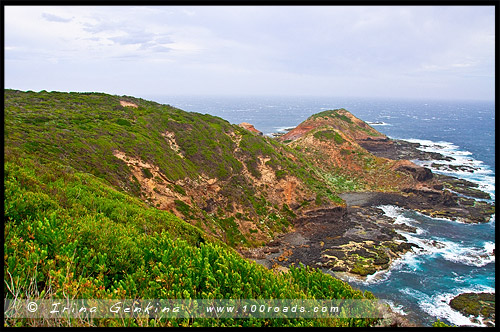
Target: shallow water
(454, 258)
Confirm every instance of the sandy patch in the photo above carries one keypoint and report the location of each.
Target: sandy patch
(155, 188)
(127, 104)
(170, 138)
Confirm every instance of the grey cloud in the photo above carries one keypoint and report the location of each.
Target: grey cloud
(147, 41)
(55, 18)
(130, 39)
(101, 26)
(130, 35)
(306, 47)
(160, 48)
(154, 47)
(163, 39)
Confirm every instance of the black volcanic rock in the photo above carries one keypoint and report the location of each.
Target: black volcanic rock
(419, 173)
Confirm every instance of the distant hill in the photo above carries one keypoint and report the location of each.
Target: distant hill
(331, 141)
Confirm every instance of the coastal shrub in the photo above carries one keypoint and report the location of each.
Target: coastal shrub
(182, 207)
(91, 241)
(280, 174)
(147, 173)
(75, 226)
(338, 139)
(123, 122)
(327, 135)
(179, 189)
(331, 114)
(345, 152)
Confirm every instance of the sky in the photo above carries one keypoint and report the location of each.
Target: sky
(433, 52)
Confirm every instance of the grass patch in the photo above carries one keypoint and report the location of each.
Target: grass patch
(328, 135)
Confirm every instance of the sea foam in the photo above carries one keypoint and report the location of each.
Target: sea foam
(434, 246)
(438, 306)
(475, 170)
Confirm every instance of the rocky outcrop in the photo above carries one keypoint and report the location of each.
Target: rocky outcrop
(250, 127)
(462, 186)
(358, 240)
(399, 150)
(476, 305)
(338, 119)
(297, 132)
(419, 173)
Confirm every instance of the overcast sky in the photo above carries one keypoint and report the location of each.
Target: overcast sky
(417, 52)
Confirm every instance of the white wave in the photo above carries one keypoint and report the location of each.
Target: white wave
(396, 213)
(438, 305)
(454, 252)
(283, 129)
(449, 250)
(397, 308)
(489, 247)
(474, 170)
(378, 123)
(459, 278)
(391, 210)
(472, 256)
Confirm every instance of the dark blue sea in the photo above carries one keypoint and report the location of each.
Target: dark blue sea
(454, 257)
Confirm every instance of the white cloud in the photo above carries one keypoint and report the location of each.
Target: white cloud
(254, 49)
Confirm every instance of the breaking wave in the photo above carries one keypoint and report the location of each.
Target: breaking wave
(461, 164)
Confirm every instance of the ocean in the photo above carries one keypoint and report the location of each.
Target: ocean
(455, 257)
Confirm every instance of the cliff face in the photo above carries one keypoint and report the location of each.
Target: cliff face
(250, 127)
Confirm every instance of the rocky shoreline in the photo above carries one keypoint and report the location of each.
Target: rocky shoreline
(399, 150)
(359, 239)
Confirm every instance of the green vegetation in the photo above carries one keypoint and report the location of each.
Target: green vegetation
(340, 182)
(147, 173)
(71, 235)
(439, 323)
(182, 207)
(475, 304)
(78, 224)
(345, 121)
(328, 135)
(336, 114)
(362, 265)
(84, 130)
